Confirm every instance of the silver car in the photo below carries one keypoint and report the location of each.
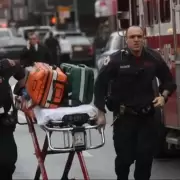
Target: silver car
(116, 42)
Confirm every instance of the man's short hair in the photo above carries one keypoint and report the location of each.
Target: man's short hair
(133, 26)
(32, 34)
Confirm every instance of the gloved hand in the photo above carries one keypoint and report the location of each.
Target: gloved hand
(7, 63)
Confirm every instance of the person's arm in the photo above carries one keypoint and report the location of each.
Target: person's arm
(20, 77)
(46, 43)
(163, 73)
(107, 72)
(58, 48)
(47, 55)
(24, 59)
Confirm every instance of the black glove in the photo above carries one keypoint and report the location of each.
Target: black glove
(8, 120)
(4, 64)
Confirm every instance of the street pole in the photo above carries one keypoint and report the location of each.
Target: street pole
(76, 17)
(113, 6)
(112, 23)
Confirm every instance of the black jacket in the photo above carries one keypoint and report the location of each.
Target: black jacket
(53, 44)
(131, 82)
(6, 72)
(30, 55)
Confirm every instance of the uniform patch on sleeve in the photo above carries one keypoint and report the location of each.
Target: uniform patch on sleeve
(106, 60)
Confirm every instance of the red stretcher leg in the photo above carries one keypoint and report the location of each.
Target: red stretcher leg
(83, 166)
(68, 165)
(37, 148)
(44, 153)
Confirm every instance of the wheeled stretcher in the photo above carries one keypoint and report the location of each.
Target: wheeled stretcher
(75, 124)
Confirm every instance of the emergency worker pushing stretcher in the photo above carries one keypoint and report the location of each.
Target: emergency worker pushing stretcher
(129, 73)
(8, 150)
(59, 100)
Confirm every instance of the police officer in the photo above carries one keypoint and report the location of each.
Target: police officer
(8, 149)
(129, 74)
(35, 52)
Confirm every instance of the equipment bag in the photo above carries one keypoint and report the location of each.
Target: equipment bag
(45, 85)
(80, 84)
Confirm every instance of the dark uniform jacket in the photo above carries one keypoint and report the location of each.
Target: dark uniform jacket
(5, 74)
(131, 79)
(54, 48)
(31, 55)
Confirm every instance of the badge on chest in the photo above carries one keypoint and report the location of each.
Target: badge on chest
(124, 66)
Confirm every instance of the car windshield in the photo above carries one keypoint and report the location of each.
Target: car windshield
(77, 39)
(40, 32)
(4, 34)
(114, 43)
(73, 34)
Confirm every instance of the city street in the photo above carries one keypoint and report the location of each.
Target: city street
(100, 162)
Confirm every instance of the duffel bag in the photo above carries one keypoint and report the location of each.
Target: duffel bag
(45, 85)
(80, 84)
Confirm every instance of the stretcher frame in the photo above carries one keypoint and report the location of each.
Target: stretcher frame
(42, 153)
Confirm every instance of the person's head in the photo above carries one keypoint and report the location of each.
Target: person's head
(50, 34)
(33, 38)
(135, 38)
(57, 36)
(63, 36)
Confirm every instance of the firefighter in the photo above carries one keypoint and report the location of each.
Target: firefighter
(8, 150)
(35, 52)
(124, 85)
(54, 48)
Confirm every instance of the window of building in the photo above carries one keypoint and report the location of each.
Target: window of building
(20, 13)
(165, 12)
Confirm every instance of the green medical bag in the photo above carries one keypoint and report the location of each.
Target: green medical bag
(80, 86)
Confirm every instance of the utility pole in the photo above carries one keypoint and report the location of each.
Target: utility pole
(113, 6)
(112, 23)
(76, 17)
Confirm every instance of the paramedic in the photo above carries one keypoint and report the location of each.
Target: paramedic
(8, 150)
(131, 98)
(35, 52)
(54, 48)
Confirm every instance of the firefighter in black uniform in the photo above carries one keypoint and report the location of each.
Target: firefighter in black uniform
(8, 150)
(126, 79)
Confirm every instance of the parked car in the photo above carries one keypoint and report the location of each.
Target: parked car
(11, 47)
(7, 33)
(82, 49)
(116, 41)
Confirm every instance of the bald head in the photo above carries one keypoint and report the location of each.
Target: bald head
(135, 38)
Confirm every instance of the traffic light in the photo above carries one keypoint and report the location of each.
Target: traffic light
(53, 20)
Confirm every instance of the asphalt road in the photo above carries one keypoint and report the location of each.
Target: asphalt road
(100, 162)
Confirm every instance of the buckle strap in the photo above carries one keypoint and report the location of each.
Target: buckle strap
(128, 110)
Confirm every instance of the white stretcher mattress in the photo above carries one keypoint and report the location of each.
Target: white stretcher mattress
(43, 115)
